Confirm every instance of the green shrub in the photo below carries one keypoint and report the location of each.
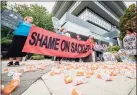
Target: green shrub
(4, 31)
(113, 49)
(37, 57)
(10, 36)
(6, 41)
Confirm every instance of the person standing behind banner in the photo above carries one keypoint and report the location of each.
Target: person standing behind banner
(130, 32)
(91, 56)
(19, 39)
(91, 40)
(65, 33)
(78, 38)
(60, 33)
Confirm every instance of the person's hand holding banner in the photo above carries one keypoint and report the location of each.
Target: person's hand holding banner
(44, 42)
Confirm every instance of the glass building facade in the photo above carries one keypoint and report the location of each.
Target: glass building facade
(100, 19)
(97, 18)
(94, 18)
(79, 26)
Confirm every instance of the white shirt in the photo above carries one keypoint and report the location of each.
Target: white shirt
(67, 34)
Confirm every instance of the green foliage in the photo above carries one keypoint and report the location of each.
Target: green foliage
(128, 20)
(4, 31)
(5, 37)
(42, 18)
(37, 57)
(113, 49)
(3, 5)
(9, 36)
(6, 41)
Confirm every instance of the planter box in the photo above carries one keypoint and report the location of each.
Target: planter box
(117, 57)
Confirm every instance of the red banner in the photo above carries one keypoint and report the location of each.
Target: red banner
(44, 42)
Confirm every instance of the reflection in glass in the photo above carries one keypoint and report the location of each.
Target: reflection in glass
(88, 14)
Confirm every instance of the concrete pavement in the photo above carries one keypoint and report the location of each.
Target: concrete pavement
(119, 86)
(37, 88)
(54, 85)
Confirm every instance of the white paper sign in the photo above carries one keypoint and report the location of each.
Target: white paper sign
(127, 55)
(98, 47)
(109, 57)
(129, 42)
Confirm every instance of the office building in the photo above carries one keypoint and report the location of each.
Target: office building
(99, 19)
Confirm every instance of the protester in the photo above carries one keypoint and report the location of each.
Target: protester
(60, 32)
(99, 52)
(78, 38)
(90, 38)
(65, 33)
(130, 32)
(91, 56)
(20, 36)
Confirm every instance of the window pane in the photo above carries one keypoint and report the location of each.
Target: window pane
(87, 14)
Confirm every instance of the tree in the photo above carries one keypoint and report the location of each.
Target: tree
(42, 18)
(128, 20)
(3, 5)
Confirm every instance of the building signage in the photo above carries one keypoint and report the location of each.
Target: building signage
(10, 19)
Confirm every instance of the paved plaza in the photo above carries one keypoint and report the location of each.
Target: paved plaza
(41, 83)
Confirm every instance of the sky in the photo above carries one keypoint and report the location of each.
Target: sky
(49, 5)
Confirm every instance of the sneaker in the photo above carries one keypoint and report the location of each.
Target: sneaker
(16, 63)
(10, 63)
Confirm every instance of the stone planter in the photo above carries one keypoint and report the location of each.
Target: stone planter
(117, 57)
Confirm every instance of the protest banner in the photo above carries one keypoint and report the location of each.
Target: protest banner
(44, 42)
